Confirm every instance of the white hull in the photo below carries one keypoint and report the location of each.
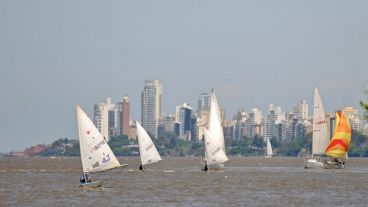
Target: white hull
(314, 164)
(216, 167)
(91, 185)
(268, 156)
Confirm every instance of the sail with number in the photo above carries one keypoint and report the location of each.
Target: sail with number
(214, 152)
(147, 149)
(320, 138)
(96, 154)
(268, 148)
(340, 142)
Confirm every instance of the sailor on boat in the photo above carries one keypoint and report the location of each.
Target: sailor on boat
(338, 162)
(141, 167)
(205, 167)
(85, 178)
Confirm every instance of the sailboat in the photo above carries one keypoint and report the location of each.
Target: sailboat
(96, 154)
(215, 135)
(147, 149)
(215, 155)
(338, 148)
(268, 149)
(321, 136)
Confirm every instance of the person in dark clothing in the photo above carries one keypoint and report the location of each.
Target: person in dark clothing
(205, 167)
(141, 167)
(84, 178)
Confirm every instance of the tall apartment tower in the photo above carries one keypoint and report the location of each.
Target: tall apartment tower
(270, 128)
(103, 118)
(204, 102)
(301, 110)
(124, 116)
(184, 118)
(151, 106)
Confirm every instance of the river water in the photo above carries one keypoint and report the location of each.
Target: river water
(175, 181)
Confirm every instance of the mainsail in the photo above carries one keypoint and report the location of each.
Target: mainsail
(147, 149)
(320, 138)
(340, 142)
(214, 152)
(269, 148)
(214, 125)
(96, 154)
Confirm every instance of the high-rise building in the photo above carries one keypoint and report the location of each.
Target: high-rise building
(354, 120)
(184, 119)
(151, 106)
(124, 116)
(101, 118)
(229, 129)
(301, 110)
(254, 123)
(240, 125)
(271, 129)
(204, 102)
(166, 124)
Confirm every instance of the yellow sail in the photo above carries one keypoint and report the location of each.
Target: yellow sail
(340, 142)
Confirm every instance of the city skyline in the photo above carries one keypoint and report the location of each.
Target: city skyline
(56, 55)
(257, 122)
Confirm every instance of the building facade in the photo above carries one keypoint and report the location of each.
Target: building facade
(101, 118)
(184, 119)
(124, 116)
(151, 106)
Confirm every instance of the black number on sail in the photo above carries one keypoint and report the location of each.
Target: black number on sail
(149, 147)
(106, 159)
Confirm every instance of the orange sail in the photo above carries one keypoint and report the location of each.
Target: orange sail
(340, 142)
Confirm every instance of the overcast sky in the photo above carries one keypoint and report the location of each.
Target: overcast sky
(56, 54)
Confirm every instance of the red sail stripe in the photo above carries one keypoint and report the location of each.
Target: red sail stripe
(336, 142)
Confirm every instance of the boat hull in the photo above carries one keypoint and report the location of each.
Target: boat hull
(334, 165)
(91, 185)
(314, 164)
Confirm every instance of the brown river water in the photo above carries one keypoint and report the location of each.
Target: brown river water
(175, 181)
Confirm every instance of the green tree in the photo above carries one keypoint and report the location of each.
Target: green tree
(258, 142)
(363, 104)
(365, 107)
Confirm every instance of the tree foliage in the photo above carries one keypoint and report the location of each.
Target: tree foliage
(363, 104)
(365, 108)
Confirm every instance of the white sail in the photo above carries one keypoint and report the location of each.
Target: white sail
(96, 154)
(214, 152)
(320, 131)
(147, 149)
(269, 148)
(214, 125)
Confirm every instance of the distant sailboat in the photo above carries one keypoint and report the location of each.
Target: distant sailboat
(268, 149)
(321, 136)
(340, 142)
(215, 135)
(147, 149)
(96, 154)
